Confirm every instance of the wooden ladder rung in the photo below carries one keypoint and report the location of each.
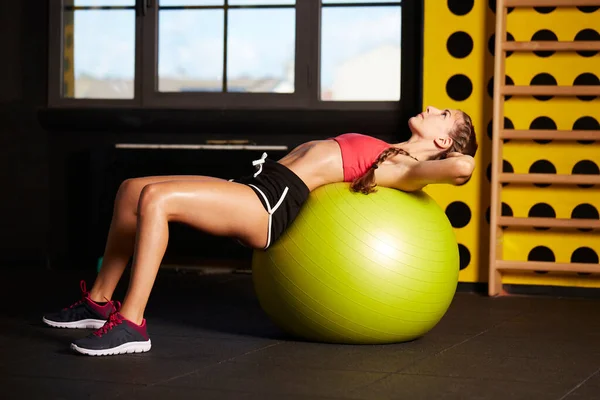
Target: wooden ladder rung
(558, 179)
(505, 265)
(551, 46)
(535, 222)
(548, 90)
(550, 3)
(542, 134)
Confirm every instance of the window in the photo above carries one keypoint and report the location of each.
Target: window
(256, 55)
(238, 54)
(98, 63)
(360, 50)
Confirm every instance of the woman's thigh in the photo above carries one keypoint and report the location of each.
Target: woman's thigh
(217, 207)
(129, 192)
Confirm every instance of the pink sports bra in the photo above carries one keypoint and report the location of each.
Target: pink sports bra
(359, 152)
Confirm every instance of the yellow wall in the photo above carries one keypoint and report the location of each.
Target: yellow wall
(68, 68)
(439, 68)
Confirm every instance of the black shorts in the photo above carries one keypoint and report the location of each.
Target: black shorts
(281, 192)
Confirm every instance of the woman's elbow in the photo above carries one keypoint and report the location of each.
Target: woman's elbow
(462, 181)
(464, 170)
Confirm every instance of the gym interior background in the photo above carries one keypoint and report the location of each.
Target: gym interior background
(60, 167)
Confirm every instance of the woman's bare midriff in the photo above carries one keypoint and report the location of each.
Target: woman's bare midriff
(317, 163)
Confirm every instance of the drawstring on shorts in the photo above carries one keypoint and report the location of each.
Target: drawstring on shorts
(259, 162)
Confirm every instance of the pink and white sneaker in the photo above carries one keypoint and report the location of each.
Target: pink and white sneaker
(117, 336)
(83, 314)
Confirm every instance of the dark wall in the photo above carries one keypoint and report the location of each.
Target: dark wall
(23, 143)
(86, 169)
(60, 170)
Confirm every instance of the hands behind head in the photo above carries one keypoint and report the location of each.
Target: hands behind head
(466, 165)
(456, 154)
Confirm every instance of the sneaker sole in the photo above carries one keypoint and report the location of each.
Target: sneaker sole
(82, 324)
(125, 348)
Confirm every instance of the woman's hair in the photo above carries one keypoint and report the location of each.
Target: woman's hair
(366, 183)
(463, 141)
(463, 138)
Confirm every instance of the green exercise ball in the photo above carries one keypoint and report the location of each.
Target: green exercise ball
(360, 269)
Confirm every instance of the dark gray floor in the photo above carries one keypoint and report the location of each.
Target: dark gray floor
(212, 341)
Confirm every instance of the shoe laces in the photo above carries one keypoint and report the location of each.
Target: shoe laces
(114, 319)
(116, 305)
(84, 295)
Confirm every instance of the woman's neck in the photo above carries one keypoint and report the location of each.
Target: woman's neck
(418, 150)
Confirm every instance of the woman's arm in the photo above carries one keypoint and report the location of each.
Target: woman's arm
(454, 170)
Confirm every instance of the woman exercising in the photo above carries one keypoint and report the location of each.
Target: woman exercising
(255, 210)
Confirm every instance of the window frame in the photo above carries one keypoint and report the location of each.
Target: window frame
(55, 65)
(219, 100)
(307, 69)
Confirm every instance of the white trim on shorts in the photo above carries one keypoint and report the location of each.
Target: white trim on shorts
(270, 210)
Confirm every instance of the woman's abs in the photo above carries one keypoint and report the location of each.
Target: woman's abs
(317, 163)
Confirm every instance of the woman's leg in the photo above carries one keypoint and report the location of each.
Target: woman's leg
(219, 208)
(121, 235)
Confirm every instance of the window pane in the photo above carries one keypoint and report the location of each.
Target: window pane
(261, 2)
(190, 50)
(261, 49)
(167, 3)
(99, 66)
(360, 53)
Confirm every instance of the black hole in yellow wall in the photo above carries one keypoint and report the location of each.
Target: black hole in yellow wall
(586, 35)
(586, 167)
(490, 87)
(585, 211)
(586, 79)
(464, 255)
(492, 43)
(541, 210)
(542, 167)
(543, 79)
(544, 35)
(545, 123)
(541, 253)
(459, 87)
(586, 123)
(460, 7)
(508, 124)
(459, 44)
(459, 214)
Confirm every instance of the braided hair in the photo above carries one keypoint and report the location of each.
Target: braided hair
(366, 183)
(464, 141)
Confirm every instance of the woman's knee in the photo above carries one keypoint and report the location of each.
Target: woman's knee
(152, 198)
(127, 196)
(129, 188)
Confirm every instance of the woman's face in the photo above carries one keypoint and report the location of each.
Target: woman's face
(433, 123)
